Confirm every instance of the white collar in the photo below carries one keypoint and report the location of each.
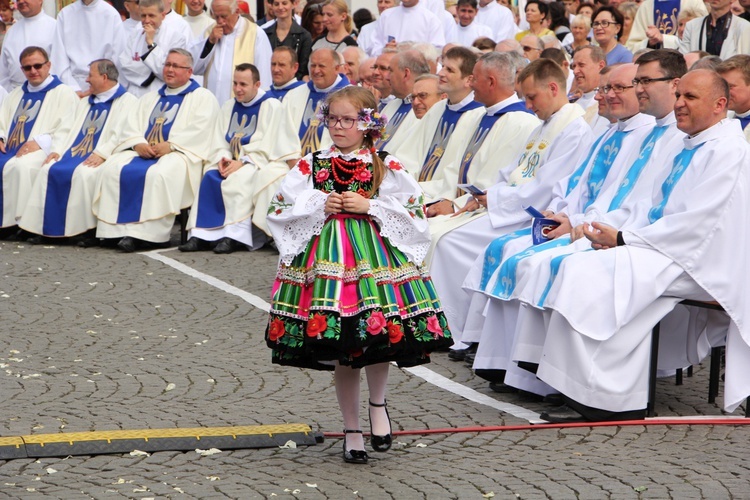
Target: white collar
(254, 99)
(42, 86)
(104, 96)
(287, 84)
(328, 89)
(177, 90)
(491, 110)
(466, 100)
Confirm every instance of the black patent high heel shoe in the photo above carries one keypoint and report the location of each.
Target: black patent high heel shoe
(381, 443)
(354, 456)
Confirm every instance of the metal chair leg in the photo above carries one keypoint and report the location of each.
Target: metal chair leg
(678, 377)
(183, 225)
(650, 409)
(714, 373)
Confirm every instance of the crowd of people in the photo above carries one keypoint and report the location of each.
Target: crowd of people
(581, 167)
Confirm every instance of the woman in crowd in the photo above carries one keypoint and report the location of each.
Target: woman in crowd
(312, 19)
(285, 31)
(338, 24)
(537, 13)
(607, 23)
(580, 28)
(628, 10)
(585, 9)
(558, 22)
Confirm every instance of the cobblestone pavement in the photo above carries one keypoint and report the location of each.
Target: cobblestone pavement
(93, 340)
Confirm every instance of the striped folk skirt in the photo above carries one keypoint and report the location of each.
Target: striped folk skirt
(353, 297)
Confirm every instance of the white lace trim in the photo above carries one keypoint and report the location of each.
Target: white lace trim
(298, 232)
(333, 151)
(400, 230)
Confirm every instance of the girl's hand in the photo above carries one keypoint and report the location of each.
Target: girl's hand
(334, 204)
(355, 203)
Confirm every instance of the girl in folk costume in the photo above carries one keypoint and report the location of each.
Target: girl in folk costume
(350, 291)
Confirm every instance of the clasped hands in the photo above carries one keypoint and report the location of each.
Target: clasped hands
(475, 203)
(152, 150)
(601, 236)
(348, 201)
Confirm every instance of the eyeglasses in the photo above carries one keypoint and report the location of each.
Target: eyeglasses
(526, 48)
(423, 95)
(37, 66)
(176, 66)
(648, 81)
(603, 24)
(381, 67)
(617, 89)
(345, 122)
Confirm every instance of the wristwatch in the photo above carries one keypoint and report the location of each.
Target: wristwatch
(151, 47)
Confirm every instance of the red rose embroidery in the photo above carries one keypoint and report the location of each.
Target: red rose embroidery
(433, 325)
(304, 167)
(363, 193)
(376, 323)
(394, 165)
(394, 333)
(316, 325)
(321, 176)
(363, 176)
(276, 330)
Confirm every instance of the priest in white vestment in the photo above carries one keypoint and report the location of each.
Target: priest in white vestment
(197, 18)
(301, 104)
(86, 30)
(232, 40)
(736, 71)
(33, 28)
(525, 180)
(252, 147)
(469, 28)
(405, 67)
(603, 304)
(175, 21)
(59, 203)
(30, 118)
(142, 59)
(284, 67)
(587, 62)
(157, 167)
(442, 134)
(507, 266)
(408, 22)
(499, 18)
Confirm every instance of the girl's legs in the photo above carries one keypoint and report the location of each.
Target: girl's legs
(377, 379)
(347, 393)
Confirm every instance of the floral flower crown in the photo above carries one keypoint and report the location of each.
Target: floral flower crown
(369, 120)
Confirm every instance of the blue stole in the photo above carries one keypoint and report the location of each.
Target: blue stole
(133, 174)
(506, 281)
(575, 177)
(310, 129)
(22, 123)
(242, 126)
(394, 122)
(680, 164)
(665, 16)
(627, 184)
(602, 163)
(445, 127)
(61, 172)
(744, 122)
(493, 254)
(480, 134)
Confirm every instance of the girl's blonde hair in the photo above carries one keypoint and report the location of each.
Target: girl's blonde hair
(361, 99)
(342, 8)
